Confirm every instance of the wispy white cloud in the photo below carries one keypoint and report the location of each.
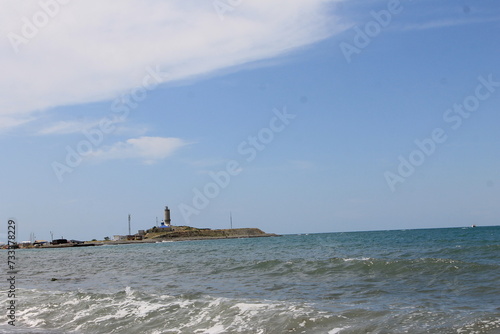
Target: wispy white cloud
(7, 122)
(93, 50)
(445, 23)
(147, 149)
(62, 127)
(72, 126)
(69, 127)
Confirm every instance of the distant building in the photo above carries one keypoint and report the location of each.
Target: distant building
(59, 241)
(137, 236)
(39, 243)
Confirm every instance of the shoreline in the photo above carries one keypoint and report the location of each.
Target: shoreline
(152, 240)
(159, 240)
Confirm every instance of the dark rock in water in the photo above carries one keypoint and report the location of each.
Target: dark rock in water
(53, 279)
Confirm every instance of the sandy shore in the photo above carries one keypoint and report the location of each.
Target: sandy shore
(153, 240)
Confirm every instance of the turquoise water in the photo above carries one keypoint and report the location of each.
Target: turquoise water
(411, 281)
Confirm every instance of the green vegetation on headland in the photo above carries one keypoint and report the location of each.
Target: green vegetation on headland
(159, 234)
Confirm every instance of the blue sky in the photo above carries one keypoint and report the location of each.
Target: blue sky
(304, 136)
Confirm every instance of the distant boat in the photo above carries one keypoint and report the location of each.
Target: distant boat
(473, 225)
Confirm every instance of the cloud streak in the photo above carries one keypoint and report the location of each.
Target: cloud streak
(70, 127)
(147, 149)
(445, 23)
(93, 50)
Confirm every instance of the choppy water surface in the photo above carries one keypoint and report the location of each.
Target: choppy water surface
(413, 281)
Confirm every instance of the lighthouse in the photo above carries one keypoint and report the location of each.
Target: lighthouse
(167, 216)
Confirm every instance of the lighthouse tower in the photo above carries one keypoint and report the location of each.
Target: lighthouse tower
(167, 216)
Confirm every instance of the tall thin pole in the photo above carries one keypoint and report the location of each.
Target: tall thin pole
(129, 232)
(231, 219)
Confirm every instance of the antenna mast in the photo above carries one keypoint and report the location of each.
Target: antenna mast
(129, 232)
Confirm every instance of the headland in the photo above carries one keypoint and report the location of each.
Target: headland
(163, 232)
(159, 234)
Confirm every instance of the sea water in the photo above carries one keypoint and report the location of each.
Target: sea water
(411, 281)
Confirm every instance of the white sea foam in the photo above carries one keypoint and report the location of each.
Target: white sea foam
(217, 329)
(356, 259)
(337, 330)
(28, 320)
(250, 307)
(480, 327)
